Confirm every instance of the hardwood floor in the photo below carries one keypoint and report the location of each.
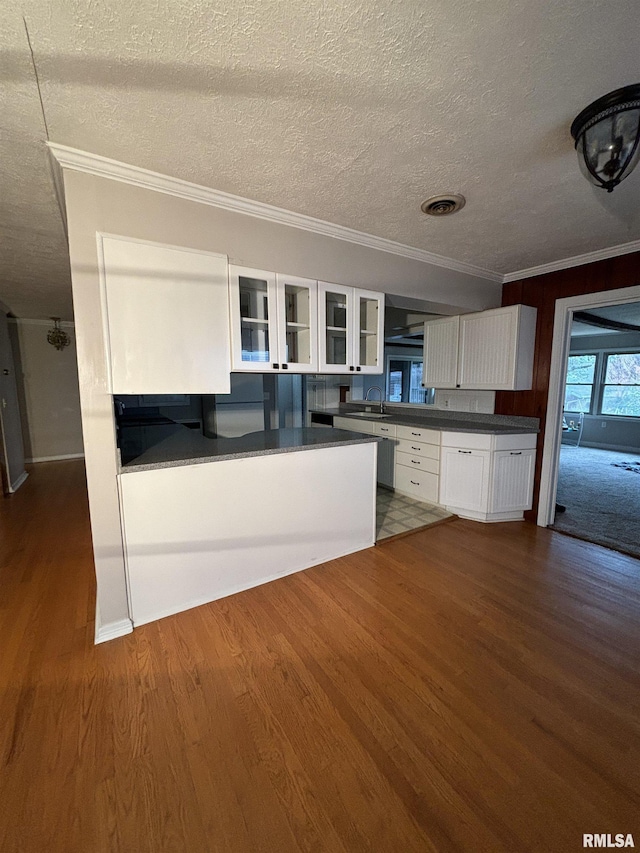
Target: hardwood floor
(467, 688)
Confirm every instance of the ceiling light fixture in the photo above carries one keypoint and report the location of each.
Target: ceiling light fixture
(57, 337)
(607, 137)
(443, 205)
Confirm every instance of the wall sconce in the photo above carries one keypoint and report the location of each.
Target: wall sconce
(57, 337)
(607, 137)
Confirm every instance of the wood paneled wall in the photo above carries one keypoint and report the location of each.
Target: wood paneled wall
(542, 292)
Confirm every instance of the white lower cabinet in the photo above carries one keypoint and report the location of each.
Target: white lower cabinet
(487, 477)
(419, 485)
(513, 472)
(417, 466)
(474, 475)
(465, 479)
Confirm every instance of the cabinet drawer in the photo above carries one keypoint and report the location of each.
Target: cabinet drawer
(468, 440)
(417, 484)
(418, 448)
(366, 427)
(516, 442)
(382, 428)
(426, 436)
(419, 463)
(488, 441)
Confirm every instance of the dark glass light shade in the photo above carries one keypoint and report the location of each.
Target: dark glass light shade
(607, 137)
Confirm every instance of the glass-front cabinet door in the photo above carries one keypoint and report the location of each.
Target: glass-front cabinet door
(297, 324)
(335, 306)
(254, 336)
(351, 333)
(369, 332)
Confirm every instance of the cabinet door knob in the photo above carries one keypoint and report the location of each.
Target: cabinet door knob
(351, 367)
(285, 367)
(276, 366)
(358, 367)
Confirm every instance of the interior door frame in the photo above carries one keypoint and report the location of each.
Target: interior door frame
(565, 309)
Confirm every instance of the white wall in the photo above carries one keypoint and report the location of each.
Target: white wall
(101, 204)
(48, 392)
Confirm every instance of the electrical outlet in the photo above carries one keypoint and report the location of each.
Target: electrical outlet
(603, 424)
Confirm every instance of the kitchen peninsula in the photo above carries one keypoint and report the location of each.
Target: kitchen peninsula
(205, 518)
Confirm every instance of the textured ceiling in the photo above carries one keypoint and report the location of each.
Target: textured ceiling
(350, 112)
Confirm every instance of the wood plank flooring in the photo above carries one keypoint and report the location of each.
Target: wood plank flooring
(466, 688)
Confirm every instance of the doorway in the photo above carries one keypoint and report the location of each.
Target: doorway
(566, 311)
(598, 492)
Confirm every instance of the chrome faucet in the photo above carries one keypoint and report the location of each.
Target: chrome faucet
(376, 388)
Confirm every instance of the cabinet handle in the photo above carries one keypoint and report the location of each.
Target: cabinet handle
(358, 367)
(416, 433)
(414, 448)
(465, 451)
(516, 453)
(285, 367)
(384, 429)
(416, 462)
(276, 366)
(351, 367)
(413, 483)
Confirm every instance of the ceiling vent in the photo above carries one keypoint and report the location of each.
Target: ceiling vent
(443, 205)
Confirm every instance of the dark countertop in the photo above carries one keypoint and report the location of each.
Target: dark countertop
(447, 421)
(188, 448)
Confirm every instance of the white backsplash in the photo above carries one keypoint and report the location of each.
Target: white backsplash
(466, 401)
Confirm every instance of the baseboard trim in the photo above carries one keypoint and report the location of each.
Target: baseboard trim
(36, 459)
(15, 486)
(620, 448)
(112, 630)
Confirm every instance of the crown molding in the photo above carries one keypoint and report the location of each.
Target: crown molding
(103, 167)
(576, 261)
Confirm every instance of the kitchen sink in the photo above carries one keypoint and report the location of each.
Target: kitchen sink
(370, 416)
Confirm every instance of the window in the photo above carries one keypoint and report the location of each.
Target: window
(578, 392)
(404, 381)
(621, 387)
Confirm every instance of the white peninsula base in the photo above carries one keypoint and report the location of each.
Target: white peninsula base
(198, 532)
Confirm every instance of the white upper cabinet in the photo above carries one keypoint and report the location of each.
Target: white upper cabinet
(490, 350)
(167, 311)
(351, 323)
(440, 364)
(369, 331)
(274, 321)
(297, 301)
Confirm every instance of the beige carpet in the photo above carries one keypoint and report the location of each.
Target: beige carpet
(601, 491)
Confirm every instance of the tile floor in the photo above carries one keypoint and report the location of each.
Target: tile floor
(399, 514)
